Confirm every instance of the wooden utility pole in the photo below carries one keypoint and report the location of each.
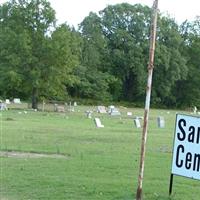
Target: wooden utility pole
(148, 97)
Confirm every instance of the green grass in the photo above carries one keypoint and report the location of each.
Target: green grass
(101, 164)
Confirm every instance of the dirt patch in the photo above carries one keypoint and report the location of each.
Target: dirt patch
(15, 154)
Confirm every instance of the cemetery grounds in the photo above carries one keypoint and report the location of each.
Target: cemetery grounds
(57, 156)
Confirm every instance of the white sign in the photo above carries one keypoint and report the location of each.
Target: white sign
(186, 152)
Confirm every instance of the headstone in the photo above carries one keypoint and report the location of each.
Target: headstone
(43, 104)
(7, 101)
(89, 114)
(161, 122)
(129, 113)
(75, 103)
(3, 106)
(110, 108)
(137, 122)
(55, 107)
(195, 110)
(115, 112)
(16, 100)
(101, 109)
(98, 123)
(58, 108)
(71, 108)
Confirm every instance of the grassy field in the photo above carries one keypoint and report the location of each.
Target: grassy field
(96, 164)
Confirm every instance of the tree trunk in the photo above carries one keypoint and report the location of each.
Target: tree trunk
(35, 98)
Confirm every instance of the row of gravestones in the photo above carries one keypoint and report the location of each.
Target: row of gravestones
(15, 100)
(64, 108)
(160, 121)
(3, 105)
(112, 110)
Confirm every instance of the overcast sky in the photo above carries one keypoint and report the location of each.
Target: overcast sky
(74, 11)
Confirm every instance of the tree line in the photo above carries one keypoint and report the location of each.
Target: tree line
(105, 59)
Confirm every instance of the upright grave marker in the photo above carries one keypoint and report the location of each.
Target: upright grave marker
(161, 122)
(7, 101)
(129, 113)
(137, 122)
(17, 100)
(115, 112)
(186, 151)
(101, 109)
(89, 114)
(98, 123)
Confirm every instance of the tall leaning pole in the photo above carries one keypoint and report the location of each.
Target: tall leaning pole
(148, 97)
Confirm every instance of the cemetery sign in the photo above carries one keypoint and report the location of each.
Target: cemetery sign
(186, 150)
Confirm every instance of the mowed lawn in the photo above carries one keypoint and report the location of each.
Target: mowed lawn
(97, 164)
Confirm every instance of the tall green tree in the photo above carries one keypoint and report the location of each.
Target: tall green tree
(24, 26)
(170, 62)
(95, 80)
(126, 28)
(63, 59)
(37, 57)
(188, 91)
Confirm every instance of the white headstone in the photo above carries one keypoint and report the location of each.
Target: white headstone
(7, 101)
(195, 110)
(161, 122)
(101, 109)
(89, 114)
(137, 123)
(3, 106)
(98, 123)
(110, 108)
(113, 111)
(75, 103)
(16, 100)
(129, 113)
(71, 108)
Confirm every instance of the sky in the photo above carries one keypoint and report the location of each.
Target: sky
(74, 11)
